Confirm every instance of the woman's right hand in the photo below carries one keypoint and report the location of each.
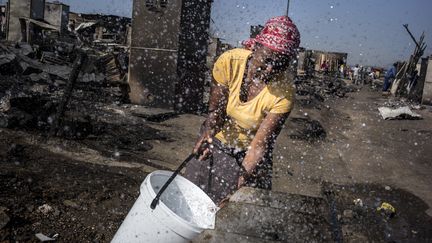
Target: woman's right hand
(203, 147)
(211, 126)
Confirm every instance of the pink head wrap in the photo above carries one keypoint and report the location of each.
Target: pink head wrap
(279, 34)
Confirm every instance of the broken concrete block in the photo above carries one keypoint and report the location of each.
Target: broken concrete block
(265, 198)
(270, 223)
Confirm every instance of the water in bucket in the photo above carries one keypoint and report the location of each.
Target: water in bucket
(184, 211)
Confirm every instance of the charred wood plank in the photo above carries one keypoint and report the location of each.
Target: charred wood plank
(78, 64)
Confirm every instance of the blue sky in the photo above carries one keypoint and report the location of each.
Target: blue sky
(115, 7)
(369, 30)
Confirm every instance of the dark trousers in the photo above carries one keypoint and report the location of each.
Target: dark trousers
(218, 176)
(387, 83)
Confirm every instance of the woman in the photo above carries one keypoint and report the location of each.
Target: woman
(249, 103)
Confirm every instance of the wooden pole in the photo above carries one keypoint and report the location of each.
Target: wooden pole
(288, 6)
(412, 37)
(78, 63)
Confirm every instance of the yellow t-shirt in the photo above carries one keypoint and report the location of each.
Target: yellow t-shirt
(244, 118)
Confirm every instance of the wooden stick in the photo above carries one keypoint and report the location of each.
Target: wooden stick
(409, 32)
(78, 63)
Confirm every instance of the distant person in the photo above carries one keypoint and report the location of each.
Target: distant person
(349, 72)
(251, 97)
(362, 74)
(342, 71)
(325, 67)
(389, 77)
(369, 74)
(356, 73)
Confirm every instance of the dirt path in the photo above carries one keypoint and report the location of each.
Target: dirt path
(89, 185)
(359, 147)
(361, 156)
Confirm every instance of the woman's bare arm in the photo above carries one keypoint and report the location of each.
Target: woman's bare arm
(214, 122)
(264, 138)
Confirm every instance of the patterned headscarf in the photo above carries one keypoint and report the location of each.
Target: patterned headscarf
(279, 34)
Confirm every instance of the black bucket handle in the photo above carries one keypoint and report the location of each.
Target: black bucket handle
(157, 198)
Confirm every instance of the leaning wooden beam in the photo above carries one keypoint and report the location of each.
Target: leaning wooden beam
(398, 79)
(78, 63)
(409, 32)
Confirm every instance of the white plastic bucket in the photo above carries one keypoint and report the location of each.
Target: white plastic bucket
(183, 212)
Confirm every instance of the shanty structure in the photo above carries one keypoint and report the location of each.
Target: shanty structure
(20, 16)
(313, 59)
(168, 53)
(334, 59)
(57, 14)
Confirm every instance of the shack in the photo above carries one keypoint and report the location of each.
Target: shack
(23, 19)
(313, 59)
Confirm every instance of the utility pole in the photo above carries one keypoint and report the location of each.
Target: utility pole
(288, 5)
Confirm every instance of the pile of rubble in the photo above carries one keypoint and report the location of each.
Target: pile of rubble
(37, 84)
(315, 90)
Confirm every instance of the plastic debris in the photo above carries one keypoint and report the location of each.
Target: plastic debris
(387, 208)
(358, 202)
(44, 238)
(45, 209)
(398, 114)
